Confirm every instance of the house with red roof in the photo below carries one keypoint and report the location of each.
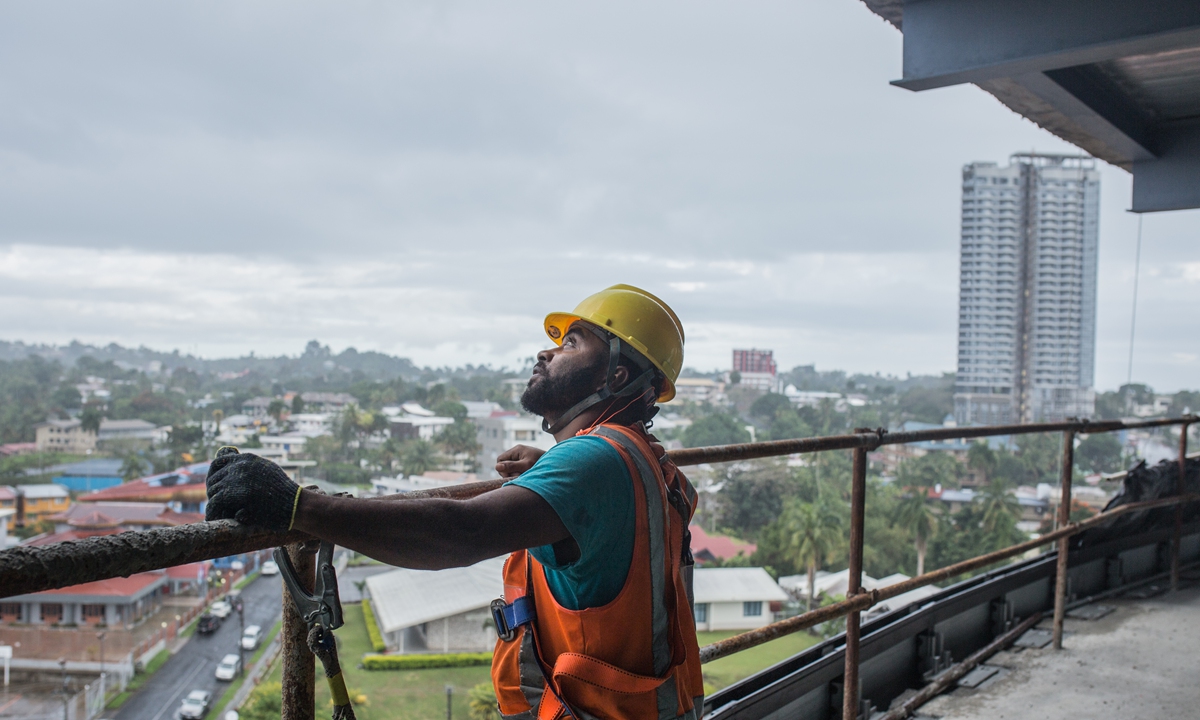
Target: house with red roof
(708, 548)
(183, 489)
(116, 602)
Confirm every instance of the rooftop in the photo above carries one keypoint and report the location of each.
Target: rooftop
(403, 597)
(714, 585)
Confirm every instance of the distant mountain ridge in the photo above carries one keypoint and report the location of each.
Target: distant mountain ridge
(316, 360)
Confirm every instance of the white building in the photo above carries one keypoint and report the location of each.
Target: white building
(65, 436)
(699, 390)
(1027, 290)
(311, 424)
(497, 434)
(735, 598)
(141, 431)
(438, 611)
(411, 427)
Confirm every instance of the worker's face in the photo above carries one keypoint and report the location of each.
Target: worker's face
(567, 374)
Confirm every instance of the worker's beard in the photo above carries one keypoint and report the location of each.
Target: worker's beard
(550, 396)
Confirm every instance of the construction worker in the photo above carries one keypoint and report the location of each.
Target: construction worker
(596, 619)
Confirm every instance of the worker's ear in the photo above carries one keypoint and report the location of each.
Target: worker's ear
(620, 377)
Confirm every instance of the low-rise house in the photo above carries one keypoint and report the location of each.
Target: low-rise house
(11, 449)
(698, 390)
(825, 584)
(708, 548)
(735, 598)
(257, 407)
(117, 602)
(326, 402)
(500, 432)
(311, 424)
(292, 442)
(182, 489)
(477, 409)
(432, 480)
(64, 436)
(437, 610)
(412, 427)
(132, 432)
(34, 502)
(123, 515)
(88, 475)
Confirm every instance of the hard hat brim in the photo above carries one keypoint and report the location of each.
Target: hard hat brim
(557, 324)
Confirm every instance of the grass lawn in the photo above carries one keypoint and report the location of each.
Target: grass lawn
(421, 694)
(410, 694)
(728, 670)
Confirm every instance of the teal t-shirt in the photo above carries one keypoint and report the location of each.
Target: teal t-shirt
(587, 483)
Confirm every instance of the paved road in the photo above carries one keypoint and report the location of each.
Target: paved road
(193, 667)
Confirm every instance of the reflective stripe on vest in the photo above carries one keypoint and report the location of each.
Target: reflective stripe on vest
(651, 481)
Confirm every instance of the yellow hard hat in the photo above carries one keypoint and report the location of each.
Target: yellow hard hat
(637, 318)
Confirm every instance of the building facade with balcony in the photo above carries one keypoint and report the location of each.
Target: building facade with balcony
(1027, 290)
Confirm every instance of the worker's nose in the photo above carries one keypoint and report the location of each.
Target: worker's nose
(545, 356)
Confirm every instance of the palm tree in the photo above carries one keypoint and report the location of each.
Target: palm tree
(815, 530)
(919, 519)
(419, 457)
(1000, 507)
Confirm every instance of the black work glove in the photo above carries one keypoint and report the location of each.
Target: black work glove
(251, 490)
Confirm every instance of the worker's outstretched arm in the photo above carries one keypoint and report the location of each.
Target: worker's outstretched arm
(433, 533)
(428, 533)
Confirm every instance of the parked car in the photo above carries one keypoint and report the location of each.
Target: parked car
(251, 637)
(195, 705)
(229, 667)
(270, 567)
(208, 624)
(221, 609)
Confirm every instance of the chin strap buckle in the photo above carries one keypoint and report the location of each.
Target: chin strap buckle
(510, 616)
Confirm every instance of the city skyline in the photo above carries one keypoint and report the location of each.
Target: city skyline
(431, 190)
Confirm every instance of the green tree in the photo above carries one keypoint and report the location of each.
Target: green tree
(816, 528)
(716, 429)
(133, 467)
(1099, 453)
(265, 703)
(982, 459)
(275, 409)
(1041, 454)
(769, 405)
(481, 703)
(419, 457)
(297, 404)
(913, 512)
(1001, 510)
(91, 417)
(753, 495)
(450, 408)
(460, 438)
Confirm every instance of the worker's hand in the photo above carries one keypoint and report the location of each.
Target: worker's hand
(516, 460)
(251, 490)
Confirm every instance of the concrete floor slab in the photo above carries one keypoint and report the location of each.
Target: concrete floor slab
(1140, 661)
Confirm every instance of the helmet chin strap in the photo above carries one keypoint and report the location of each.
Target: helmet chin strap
(635, 387)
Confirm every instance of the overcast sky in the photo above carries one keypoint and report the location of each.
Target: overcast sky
(430, 178)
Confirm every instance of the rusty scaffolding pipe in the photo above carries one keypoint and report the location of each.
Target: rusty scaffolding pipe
(299, 666)
(858, 501)
(1064, 519)
(1180, 486)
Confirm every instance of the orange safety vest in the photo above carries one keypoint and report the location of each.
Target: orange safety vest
(634, 658)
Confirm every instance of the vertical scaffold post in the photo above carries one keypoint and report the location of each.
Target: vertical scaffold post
(299, 665)
(1064, 518)
(858, 497)
(1177, 534)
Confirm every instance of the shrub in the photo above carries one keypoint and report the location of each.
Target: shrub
(377, 643)
(482, 703)
(421, 662)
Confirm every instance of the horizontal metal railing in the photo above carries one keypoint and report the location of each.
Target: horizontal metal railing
(26, 570)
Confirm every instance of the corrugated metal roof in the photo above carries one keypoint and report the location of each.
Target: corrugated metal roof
(403, 598)
(735, 585)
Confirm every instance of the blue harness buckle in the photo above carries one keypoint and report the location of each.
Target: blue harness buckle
(510, 616)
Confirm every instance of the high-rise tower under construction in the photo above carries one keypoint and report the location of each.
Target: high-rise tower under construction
(1027, 290)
